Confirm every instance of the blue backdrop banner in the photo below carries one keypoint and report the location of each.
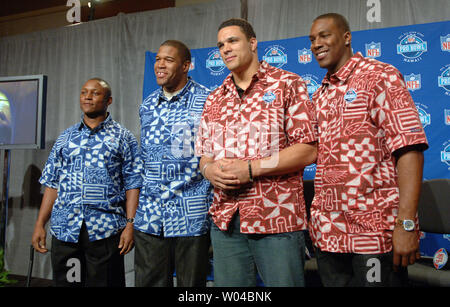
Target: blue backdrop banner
(421, 53)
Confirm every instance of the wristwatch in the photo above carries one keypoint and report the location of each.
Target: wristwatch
(408, 225)
(130, 220)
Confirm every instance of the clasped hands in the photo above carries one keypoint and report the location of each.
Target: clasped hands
(227, 174)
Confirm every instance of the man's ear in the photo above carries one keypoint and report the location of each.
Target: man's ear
(186, 66)
(109, 101)
(254, 44)
(348, 38)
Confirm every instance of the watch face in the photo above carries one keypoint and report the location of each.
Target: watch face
(408, 225)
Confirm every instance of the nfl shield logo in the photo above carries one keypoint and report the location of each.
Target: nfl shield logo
(445, 43)
(447, 117)
(413, 82)
(304, 56)
(373, 50)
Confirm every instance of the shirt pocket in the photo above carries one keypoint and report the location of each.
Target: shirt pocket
(355, 113)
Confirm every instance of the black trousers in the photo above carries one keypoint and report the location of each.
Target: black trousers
(88, 264)
(156, 258)
(357, 270)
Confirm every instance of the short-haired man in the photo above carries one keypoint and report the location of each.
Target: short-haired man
(369, 164)
(256, 136)
(92, 179)
(172, 223)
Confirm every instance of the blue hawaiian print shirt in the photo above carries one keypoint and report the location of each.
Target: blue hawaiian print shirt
(175, 198)
(92, 169)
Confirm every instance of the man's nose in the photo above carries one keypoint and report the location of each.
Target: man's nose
(161, 64)
(316, 44)
(226, 48)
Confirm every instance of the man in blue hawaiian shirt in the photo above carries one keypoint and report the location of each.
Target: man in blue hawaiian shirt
(172, 223)
(92, 180)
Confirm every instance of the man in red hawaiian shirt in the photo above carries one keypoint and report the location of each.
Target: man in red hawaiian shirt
(369, 165)
(255, 138)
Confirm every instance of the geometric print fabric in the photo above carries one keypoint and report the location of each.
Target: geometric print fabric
(92, 169)
(275, 112)
(364, 114)
(175, 197)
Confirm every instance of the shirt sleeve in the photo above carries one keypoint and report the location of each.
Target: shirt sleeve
(394, 111)
(50, 174)
(300, 121)
(203, 140)
(132, 167)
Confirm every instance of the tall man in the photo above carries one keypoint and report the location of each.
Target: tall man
(172, 220)
(93, 170)
(369, 164)
(255, 139)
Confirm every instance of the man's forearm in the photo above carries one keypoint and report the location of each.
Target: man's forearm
(132, 202)
(410, 170)
(289, 160)
(45, 211)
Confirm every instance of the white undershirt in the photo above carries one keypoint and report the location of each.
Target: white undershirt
(170, 95)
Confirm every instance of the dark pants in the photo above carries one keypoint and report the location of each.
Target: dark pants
(156, 258)
(88, 264)
(357, 270)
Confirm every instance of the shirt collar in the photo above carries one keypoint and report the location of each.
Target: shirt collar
(260, 75)
(178, 96)
(107, 121)
(344, 72)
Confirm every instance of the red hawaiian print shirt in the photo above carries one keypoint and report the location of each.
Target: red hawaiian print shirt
(364, 114)
(274, 113)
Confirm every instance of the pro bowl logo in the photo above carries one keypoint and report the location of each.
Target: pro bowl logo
(425, 117)
(413, 82)
(269, 97)
(304, 56)
(412, 46)
(445, 153)
(275, 56)
(440, 258)
(444, 79)
(350, 95)
(214, 63)
(445, 43)
(373, 50)
(312, 83)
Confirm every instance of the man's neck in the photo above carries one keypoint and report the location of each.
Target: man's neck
(347, 56)
(94, 122)
(243, 78)
(169, 95)
(176, 88)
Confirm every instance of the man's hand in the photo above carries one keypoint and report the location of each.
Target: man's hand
(406, 247)
(216, 174)
(38, 240)
(239, 168)
(126, 239)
